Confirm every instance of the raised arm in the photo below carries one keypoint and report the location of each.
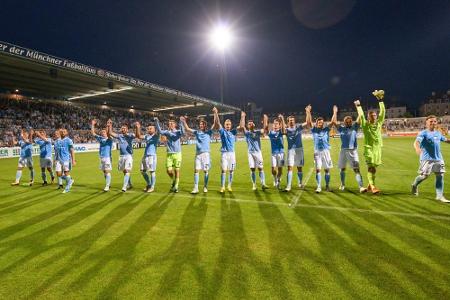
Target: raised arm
(242, 122)
(265, 124)
(360, 111)
(109, 129)
(93, 122)
(157, 125)
(308, 116)
(334, 117)
(283, 123)
(182, 129)
(186, 127)
(217, 124)
(138, 131)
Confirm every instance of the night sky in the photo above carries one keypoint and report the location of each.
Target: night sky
(286, 53)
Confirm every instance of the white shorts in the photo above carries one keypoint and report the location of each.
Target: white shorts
(228, 161)
(105, 164)
(349, 156)
(255, 160)
(322, 159)
(125, 162)
(202, 161)
(46, 162)
(277, 160)
(295, 157)
(431, 166)
(25, 162)
(63, 166)
(148, 163)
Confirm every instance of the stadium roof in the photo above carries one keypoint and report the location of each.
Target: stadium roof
(39, 74)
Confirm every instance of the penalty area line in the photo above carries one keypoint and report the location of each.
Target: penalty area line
(341, 209)
(296, 198)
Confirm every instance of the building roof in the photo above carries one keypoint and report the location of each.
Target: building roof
(42, 75)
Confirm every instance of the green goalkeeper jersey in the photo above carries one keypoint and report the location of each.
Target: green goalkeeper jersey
(372, 132)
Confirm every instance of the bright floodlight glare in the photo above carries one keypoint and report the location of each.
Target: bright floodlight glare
(221, 37)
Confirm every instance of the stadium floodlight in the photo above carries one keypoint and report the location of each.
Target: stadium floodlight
(221, 37)
(100, 93)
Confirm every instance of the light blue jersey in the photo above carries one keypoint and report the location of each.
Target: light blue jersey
(349, 136)
(45, 147)
(253, 139)
(151, 143)
(56, 145)
(321, 138)
(63, 149)
(430, 143)
(294, 137)
(276, 141)
(26, 149)
(173, 138)
(105, 146)
(203, 140)
(126, 143)
(228, 138)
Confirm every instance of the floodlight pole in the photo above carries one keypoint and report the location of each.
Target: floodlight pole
(222, 76)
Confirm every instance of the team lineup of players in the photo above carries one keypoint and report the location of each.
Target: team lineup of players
(427, 146)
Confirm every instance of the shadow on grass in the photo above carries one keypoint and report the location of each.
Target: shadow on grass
(369, 255)
(288, 254)
(26, 202)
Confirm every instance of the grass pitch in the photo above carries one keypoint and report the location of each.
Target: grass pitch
(91, 244)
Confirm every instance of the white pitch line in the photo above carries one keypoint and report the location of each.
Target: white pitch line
(326, 207)
(296, 199)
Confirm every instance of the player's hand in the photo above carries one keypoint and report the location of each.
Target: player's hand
(93, 122)
(265, 117)
(137, 124)
(280, 116)
(109, 122)
(335, 109)
(74, 162)
(379, 94)
(357, 102)
(308, 108)
(156, 119)
(243, 114)
(214, 110)
(182, 119)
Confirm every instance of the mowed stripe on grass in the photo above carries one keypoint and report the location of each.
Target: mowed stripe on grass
(242, 244)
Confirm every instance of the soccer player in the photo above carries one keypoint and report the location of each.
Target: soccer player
(372, 138)
(295, 154)
(349, 151)
(125, 139)
(255, 158)
(104, 152)
(228, 156)
(202, 154)
(322, 157)
(149, 160)
(56, 143)
(276, 142)
(46, 158)
(26, 156)
(65, 159)
(428, 146)
(174, 157)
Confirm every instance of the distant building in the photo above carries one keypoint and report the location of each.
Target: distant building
(436, 105)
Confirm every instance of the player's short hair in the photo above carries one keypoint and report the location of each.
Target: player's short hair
(172, 120)
(371, 112)
(348, 117)
(227, 120)
(250, 121)
(277, 120)
(290, 117)
(125, 124)
(319, 119)
(430, 117)
(203, 121)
